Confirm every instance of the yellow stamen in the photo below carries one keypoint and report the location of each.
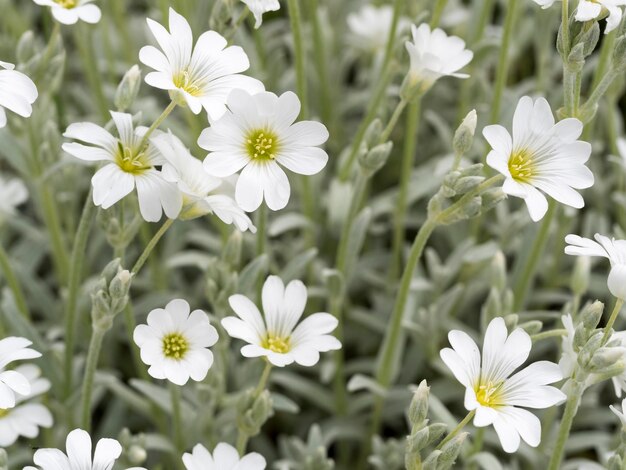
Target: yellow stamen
(67, 3)
(262, 144)
(175, 346)
(131, 161)
(3, 412)
(184, 81)
(522, 166)
(489, 394)
(277, 344)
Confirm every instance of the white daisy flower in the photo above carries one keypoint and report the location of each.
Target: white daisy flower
(258, 7)
(541, 155)
(13, 192)
(434, 54)
(620, 414)
(275, 335)
(225, 457)
(78, 448)
(129, 167)
(70, 11)
(370, 26)
(11, 381)
(614, 250)
(258, 135)
(493, 392)
(175, 343)
(200, 76)
(25, 419)
(202, 193)
(588, 10)
(17, 92)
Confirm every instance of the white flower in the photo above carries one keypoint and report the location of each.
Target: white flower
(200, 76)
(129, 167)
(544, 3)
(70, 11)
(620, 414)
(13, 192)
(175, 343)
(202, 193)
(78, 447)
(17, 92)
(26, 418)
(258, 7)
(542, 156)
(491, 389)
(591, 9)
(370, 26)
(258, 134)
(276, 336)
(434, 54)
(614, 250)
(225, 457)
(11, 381)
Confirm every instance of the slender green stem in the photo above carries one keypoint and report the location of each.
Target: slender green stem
(238, 22)
(47, 55)
(408, 159)
(548, 334)
(242, 437)
(261, 230)
(75, 276)
(295, 18)
(88, 56)
(90, 371)
(456, 430)
(384, 136)
(321, 63)
(166, 112)
(129, 320)
(177, 421)
(600, 90)
(614, 314)
(52, 220)
(565, 28)
(437, 12)
(604, 61)
(573, 400)
(13, 283)
(150, 246)
(525, 279)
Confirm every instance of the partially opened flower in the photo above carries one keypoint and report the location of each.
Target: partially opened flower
(433, 55)
(277, 334)
(588, 10)
(26, 418)
(494, 391)
(225, 457)
(258, 7)
(11, 381)
(17, 92)
(614, 250)
(70, 11)
(175, 343)
(258, 136)
(202, 193)
(13, 192)
(541, 156)
(201, 76)
(131, 164)
(370, 26)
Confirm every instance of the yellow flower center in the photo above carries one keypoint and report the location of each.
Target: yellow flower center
(277, 344)
(489, 394)
(67, 3)
(3, 412)
(131, 161)
(262, 144)
(175, 346)
(522, 166)
(184, 81)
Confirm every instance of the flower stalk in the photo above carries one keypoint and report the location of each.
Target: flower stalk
(457, 429)
(151, 245)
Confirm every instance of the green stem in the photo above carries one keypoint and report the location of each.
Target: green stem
(384, 136)
(238, 22)
(571, 407)
(614, 314)
(531, 261)
(90, 371)
(408, 160)
(548, 334)
(456, 430)
(295, 19)
(177, 422)
(319, 49)
(45, 60)
(565, 28)
(437, 12)
(242, 437)
(90, 66)
(13, 283)
(261, 230)
(600, 90)
(150, 246)
(76, 268)
(166, 112)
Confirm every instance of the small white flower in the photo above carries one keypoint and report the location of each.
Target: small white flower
(200, 76)
(370, 26)
(12, 382)
(258, 135)
(78, 448)
(493, 392)
(541, 155)
(13, 192)
(225, 457)
(175, 343)
(614, 250)
(258, 7)
(591, 9)
(70, 11)
(26, 418)
(17, 92)
(202, 193)
(434, 54)
(276, 335)
(129, 167)
(620, 414)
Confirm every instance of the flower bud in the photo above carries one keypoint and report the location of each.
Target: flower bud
(450, 451)
(128, 88)
(467, 183)
(418, 440)
(120, 284)
(431, 462)
(591, 314)
(531, 327)
(374, 159)
(498, 271)
(418, 410)
(464, 135)
(373, 132)
(137, 455)
(232, 251)
(253, 412)
(491, 198)
(111, 270)
(26, 47)
(580, 277)
(604, 358)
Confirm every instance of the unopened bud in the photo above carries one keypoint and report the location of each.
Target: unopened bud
(111, 270)
(137, 454)
(26, 47)
(373, 132)
(580, 277)
(128, 88)
(418, 410)
(374, 159)
(531, 327)
(432, 460)
(491, 198)
(232, 251)
(450, 451)
(498, 271)
(605, 357)
(591, 315)
(120, 285)
(253, 412)
(467, 183)
(464, 135)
